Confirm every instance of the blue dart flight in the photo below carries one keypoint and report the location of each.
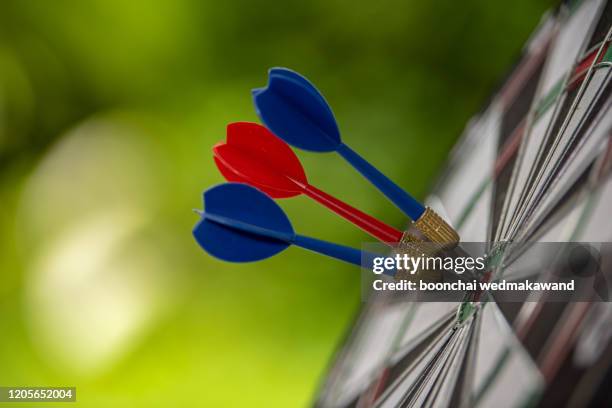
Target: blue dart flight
(242, 224)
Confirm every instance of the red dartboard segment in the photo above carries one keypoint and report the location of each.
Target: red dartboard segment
(253, 155)
(596, 55)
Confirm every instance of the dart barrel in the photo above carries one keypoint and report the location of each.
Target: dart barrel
(436, 229)
(427, 236)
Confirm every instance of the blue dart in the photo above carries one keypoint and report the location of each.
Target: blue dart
(295, 111)
(241, 224)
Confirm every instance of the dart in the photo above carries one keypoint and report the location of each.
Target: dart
(295, 111)
(242, 224)
(253, 155)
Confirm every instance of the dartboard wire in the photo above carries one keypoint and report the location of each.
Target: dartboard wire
(371, 387)
(551, 100)
(590, 57)
(504, 356)
(498, 368)
(432, 379)
(512, 185)
(558, 214)
(581, 77)
(373, 391)
(598, 173)
(399, 351)
(537, 219)
(532, 60)
(372, 384)
(373, 306)
(512, 147)
(542, 106)
(570, 81)
(450, 375)
(465, 394)
(446, 326)
(478, 303)
(508, 210)
(532, 184)
(421, 362)
(584, 82)
(508, 150)
(577, 206)
(531, 226)
(595, 47)
(373, 375)
(435, 370)
(528, 204)
(431, 365)
(513, 345)
(526, 190)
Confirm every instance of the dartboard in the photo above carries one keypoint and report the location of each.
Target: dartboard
(533, 166)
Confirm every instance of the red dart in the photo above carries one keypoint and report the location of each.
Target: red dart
(253, 155)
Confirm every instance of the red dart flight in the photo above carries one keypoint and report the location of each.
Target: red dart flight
(253, 155)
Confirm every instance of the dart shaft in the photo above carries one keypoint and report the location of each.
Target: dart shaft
(341, 252)
(392, 191)
(378, 229)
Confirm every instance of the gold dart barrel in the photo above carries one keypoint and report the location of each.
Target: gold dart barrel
(436, 229)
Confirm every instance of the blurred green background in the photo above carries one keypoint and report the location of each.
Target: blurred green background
(108, 111)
